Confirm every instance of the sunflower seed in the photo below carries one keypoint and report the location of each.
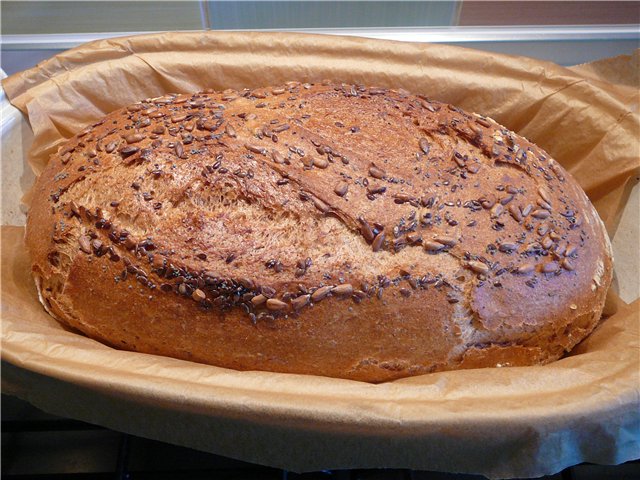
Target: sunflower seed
(276, 305)
(320, 163)
(365, 230)
(376, 189)
(178, 118)
(277, 157)
(424, 145)
(507, 247)
(299, 302)
(526, 268)
(547, 242)
(567, 264)
(446, 240)
(128, 151)
(378, 242)
(497, 210)
(478, 267)
(433, 246)
(320, 293)
(541, 203)
(344, 289)
(506, 199)
(487, 203)
(198, 295)
(543, 229)
(401, 198)
(341, 188)
(515, 213)
(85, 243)
(560, 249)
(229, 130)
(375, 172)
(255, 149)
(540, 214)
(414, 238)
(545, 194)
(134, 138)
(320, 205)
(473, 168)
(267, 291)
(179, 149)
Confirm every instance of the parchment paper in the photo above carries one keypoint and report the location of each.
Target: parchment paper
(507, 422)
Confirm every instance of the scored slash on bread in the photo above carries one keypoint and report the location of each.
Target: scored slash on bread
(330, 229)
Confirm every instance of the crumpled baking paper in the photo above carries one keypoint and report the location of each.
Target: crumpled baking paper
(507, 422)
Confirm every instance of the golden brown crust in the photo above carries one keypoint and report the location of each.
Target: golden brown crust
(326, 229)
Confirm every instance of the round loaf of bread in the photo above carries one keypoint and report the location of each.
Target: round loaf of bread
(336, 230)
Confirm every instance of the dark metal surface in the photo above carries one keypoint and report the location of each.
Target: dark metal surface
(38, 446)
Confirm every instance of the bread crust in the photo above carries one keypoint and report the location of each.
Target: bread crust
(336, 230)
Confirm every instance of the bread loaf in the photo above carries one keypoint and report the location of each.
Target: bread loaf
(336, 230)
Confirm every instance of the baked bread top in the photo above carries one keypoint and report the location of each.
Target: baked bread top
(340, 230)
